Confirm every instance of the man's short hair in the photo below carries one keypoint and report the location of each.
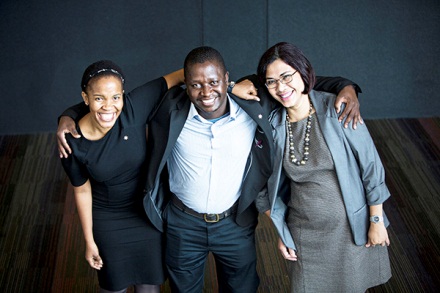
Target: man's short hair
(202, 55)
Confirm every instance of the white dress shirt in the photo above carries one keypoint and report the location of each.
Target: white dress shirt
(207, 163)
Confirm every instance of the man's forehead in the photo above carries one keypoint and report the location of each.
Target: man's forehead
(207, 69)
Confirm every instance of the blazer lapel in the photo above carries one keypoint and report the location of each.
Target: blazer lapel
(255, 111)
(176, 121)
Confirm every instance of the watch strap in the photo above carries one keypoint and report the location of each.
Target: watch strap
(231, 85)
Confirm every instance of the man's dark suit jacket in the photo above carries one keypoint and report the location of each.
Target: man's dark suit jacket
(165, 128)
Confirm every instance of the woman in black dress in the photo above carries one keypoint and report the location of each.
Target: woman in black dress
(106, 168)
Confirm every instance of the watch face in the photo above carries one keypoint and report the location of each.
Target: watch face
(376, 219)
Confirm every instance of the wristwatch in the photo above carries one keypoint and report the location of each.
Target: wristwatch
(376, 219)
(231, 86)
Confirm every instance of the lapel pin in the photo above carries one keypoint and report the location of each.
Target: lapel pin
(258, 143)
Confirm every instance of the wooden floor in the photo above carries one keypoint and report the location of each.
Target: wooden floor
(42, 246)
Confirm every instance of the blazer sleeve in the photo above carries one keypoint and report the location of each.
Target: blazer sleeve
(370, 165)
(262, 201)
(334, 84)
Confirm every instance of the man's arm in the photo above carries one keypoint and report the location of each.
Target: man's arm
(334, 84)
(347, 92)
(76, 112)
(67, 124)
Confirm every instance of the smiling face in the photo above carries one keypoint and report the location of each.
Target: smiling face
(289, 94)
(207, 85)
(104, 95)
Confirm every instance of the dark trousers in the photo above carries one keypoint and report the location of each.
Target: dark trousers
(190, 239)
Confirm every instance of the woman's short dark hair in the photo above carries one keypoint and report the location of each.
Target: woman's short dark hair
(294, 57)
(101, 68)
(202, 55)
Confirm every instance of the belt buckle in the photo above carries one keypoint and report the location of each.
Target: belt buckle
(210, 220)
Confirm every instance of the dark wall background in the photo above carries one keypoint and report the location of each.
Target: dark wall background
(389, 47)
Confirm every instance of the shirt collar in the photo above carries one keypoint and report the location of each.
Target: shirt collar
(233, 110)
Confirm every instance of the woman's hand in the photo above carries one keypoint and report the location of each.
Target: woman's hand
(92, 256)
(65, 125)
(377, 235)
(286, 252)
(348, 95)
(245, 90)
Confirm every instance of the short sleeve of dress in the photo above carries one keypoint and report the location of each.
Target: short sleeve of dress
(75, 170)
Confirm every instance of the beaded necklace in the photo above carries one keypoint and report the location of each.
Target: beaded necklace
(305, 158)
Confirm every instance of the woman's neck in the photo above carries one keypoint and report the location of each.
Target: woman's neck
(90, 130)
(300, 111)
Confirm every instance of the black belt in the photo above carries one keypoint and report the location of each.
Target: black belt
(209, 218)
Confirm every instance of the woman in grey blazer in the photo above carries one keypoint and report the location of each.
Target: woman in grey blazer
(326, 193)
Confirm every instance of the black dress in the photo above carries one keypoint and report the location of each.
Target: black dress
(130, 246)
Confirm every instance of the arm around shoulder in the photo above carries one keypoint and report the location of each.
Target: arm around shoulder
(67, 124)
(174, 78)
(347, 92)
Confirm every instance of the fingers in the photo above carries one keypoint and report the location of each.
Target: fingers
(63, 146)
(252, 92)
(74, 133)
(338, 108)
(246, 90)
(373, 243)
(347, 114)
(286, 252)
(351, 114)
(62, 152)
(252, 97)
(95, 262)
(386, 242)
(291, 255)
(357, 119)
(66, 125)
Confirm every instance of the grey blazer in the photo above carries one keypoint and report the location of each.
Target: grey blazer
(358, 167)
